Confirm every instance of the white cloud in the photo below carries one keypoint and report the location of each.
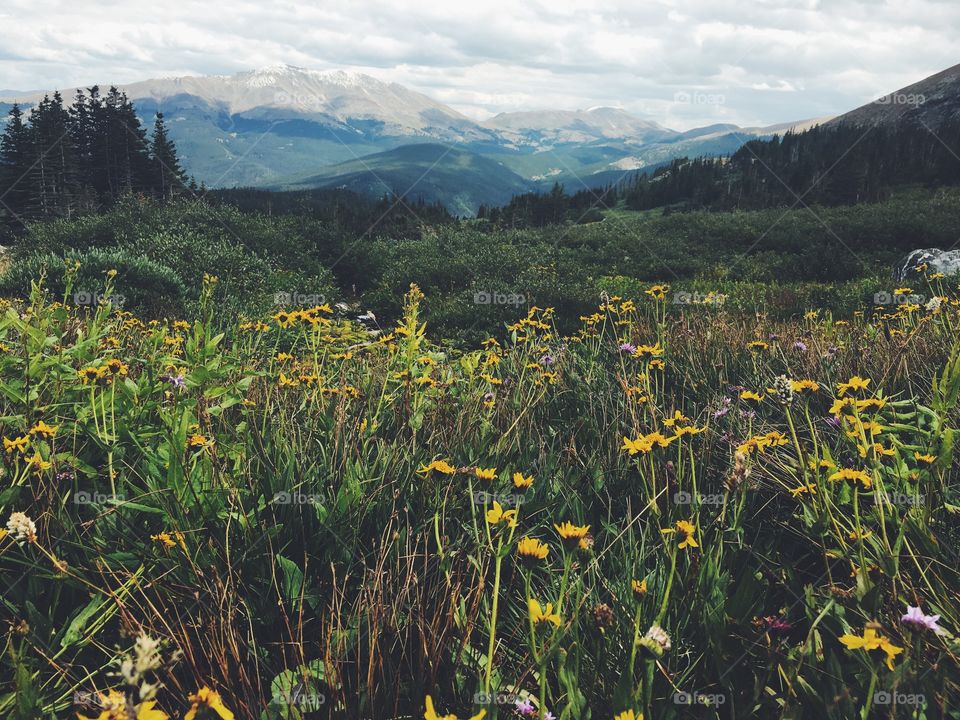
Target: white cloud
(770, 60)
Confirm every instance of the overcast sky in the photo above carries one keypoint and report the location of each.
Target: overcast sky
(681, 62)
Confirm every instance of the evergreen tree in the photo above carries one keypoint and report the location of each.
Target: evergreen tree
(15, 164)
(81, 132)
(169, 177)
(54, 180)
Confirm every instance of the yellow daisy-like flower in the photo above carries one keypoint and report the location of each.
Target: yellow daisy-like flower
(117, 367)
(757, 345)
(677, 418)
(687, 530)
(38, 464)
(18, 444)
(928, 459)
(628, 715)
(210, 699)
(197, 441)
(639, 586)
(521, 481)
(285, 381)
(441, 466)
(750, 395)
(285, 319)
(840, 404)
(874, 403)
(430, 712)
(878, 449)
(170, 540)
(485, 473)
(853, 476)
(854, 383)
(90, 374)
(164, 539)
(570, 533)
(802, 385)
(648, 351)
(540, 614)
(658, 292)
(645, 443)
(497, 515)
(532, 549)
(870, 640)
(43, 430)
(808, 489)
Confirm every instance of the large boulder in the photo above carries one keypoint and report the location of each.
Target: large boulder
(936, 260)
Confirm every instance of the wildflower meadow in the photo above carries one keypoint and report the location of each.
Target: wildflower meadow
(672, 512)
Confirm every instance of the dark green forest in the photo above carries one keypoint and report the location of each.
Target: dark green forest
(61, 162)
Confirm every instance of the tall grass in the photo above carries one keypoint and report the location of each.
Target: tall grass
(312, 520)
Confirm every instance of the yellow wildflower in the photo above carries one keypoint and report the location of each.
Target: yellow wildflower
(210, 699)
(521, 481)
(870, 640)
(853, 476)
(18, 444)
(532, 549)
(540, 614)
(687, 530)
(854, 383)
(43, 430)
(441, 466)
(497, 514)
(485, 473)
(430, 713)
(570, 533)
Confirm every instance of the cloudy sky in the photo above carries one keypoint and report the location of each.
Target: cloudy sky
(681, 62)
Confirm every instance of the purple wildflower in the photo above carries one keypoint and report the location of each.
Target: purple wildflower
(549, 716)
(918, 621)
(724, 409)
(800, 346)
(628, 348)
(547, 360)
(525, 708)
(177, 381)
(776, 625)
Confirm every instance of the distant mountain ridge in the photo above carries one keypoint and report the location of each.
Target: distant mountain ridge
(931, 102)
(460, 180)
(277, 124)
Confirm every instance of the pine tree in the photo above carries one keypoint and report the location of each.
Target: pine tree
(81, 133)
(169, 177)
(15, 165)
(54, 174)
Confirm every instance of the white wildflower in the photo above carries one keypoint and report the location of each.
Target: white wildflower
(22, 527)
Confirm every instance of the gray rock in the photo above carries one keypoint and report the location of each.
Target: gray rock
(944, 261)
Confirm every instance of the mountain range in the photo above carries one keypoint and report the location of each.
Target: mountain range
(288, 127)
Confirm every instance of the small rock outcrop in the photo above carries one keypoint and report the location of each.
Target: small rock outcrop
(936, 260)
